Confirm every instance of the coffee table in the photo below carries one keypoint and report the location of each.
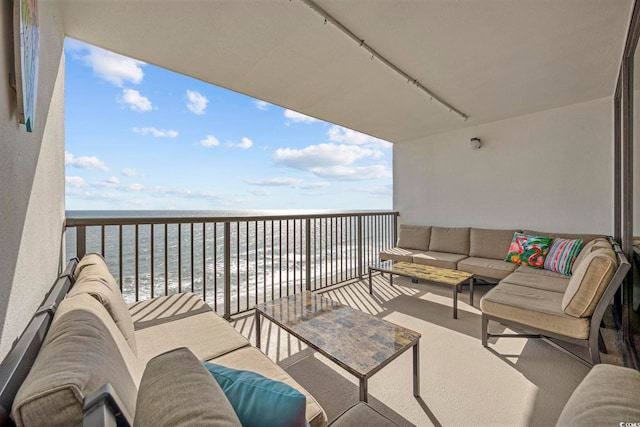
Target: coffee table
(358, 342)
(443, 276)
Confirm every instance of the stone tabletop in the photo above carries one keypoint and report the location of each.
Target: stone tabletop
(357, 341)
(424, 272)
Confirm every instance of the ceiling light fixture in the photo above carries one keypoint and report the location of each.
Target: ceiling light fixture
(375, 54)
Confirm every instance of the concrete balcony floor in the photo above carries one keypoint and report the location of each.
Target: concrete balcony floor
(515, 382)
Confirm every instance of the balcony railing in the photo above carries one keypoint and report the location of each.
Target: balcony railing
(233, 262)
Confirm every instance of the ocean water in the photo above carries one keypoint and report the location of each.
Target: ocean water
(267, 258)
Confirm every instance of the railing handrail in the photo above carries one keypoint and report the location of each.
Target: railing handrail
(71, 221)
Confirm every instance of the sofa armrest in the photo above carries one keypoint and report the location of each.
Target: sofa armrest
(101, 408)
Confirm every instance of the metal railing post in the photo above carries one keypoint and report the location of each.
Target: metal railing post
(308, 251)
(360, 260)
(81, 241)
(227, 270)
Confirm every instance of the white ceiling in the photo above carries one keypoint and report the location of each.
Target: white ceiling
(491, 59)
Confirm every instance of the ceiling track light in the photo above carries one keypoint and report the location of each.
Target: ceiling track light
(376, 55)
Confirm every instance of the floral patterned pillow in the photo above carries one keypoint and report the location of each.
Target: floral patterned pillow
(528, 250)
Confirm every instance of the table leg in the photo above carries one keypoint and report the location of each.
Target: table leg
(455, 301)
(364, 394)
(471, 291)
(416, 369)
(370, 283)
(258, 329)
(391, 279)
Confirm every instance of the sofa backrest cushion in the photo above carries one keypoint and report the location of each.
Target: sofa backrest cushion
(586, 238)
(593, 245)
(414, 237)
(176, 390)
(82, 351)
(94, 278)
(450, 240)
(588, 282)
(487, 243)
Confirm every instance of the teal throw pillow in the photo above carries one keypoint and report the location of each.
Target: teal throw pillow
(528, 250)
(260, 401)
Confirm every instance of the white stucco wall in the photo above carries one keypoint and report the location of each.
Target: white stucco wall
(31, 179)
(548, 171)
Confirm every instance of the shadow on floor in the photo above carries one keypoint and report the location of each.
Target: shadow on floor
(333, 391)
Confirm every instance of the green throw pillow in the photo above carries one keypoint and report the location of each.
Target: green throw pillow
(528, 250)
(260, 401)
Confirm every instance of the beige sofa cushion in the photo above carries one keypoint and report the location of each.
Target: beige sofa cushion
(544, 282)
(439, 259)
(450, 240)
(207, 335)
(586, 238)
(100, 287)
(168, 308)
(399, 254)
(588, 283)
(82, 351)
(252, 359)
(176, 390)
(607, 396)
(587, 249)
(414, 237)
(485, 267)
(486, 243)
(540, 272)
(533, 307)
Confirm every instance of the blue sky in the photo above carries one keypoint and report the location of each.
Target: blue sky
(142, 137)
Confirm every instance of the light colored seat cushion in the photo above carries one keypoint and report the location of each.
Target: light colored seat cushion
(164, 309)
(252, 359)
(487, 243)
(82, 351)
(176, 390)
(204, 334)
(450, 240)
(539, 272)
(93, 278)
(533, 307)
(486, 267)
(414, 237)
(538, 281)
(439, 259)
(399, 254)
(607, 396)
(588, 282)
(588, 248)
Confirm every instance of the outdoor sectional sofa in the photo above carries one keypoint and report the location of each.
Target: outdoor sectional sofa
(549, 304)
(94, 339)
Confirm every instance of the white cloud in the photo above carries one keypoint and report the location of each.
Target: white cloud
(84, 162)
(322, 155)
(348, 136)
(379, 191)
(210, 141)
(135, 101)
(245, 144)
(352, 173)
(75, 181)
(158, 133)
(107, 65)
(129, 172)
(299, 117)
(284, 181)
(260, 192)
(261, 105)
(113, 180)
(196, 102)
